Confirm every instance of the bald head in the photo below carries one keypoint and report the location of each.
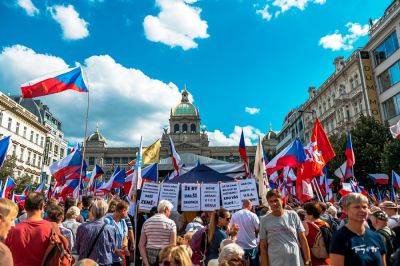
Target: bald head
(247, 204)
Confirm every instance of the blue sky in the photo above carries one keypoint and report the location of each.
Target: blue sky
(231, 54)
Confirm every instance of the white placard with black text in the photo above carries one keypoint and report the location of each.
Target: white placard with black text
(149, 196)
(170, 192)
(210, 197)
(248, 190)
(190, 197)
(230, 194)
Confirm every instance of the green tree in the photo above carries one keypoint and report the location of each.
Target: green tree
(21, 183)
(8, 168)
(391, 157)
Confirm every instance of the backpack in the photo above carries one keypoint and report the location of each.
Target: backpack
(198, 244)
(390, 239)
(322, 241)
(57, 252)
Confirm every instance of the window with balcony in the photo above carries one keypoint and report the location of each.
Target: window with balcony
(31, 138)
(34, 159)
(389, 77)
(21, 155)
(386, 48)
(41, 141)
(24, 134)
(62, 152)
(391, 107)
(17, 128)
(56, 150)
(37, 139)
(28, 160)
(14, 152)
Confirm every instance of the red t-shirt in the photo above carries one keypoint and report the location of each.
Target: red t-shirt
(28, 242)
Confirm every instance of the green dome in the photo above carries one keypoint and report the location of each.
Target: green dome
(185, 108)
(96, 136)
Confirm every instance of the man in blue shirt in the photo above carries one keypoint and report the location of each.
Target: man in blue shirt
(121, 231)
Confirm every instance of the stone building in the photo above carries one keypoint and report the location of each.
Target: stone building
(27, 137)
(188, 138)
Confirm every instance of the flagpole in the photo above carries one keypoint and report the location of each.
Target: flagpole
(86, 119)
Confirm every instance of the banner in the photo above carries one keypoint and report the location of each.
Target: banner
(230, 194)
(170, 192)
(248, 190)
(149, 196)
(190, 197)
(210, 197)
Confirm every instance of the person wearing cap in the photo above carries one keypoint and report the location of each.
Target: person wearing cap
(391, 209)
(379, 220)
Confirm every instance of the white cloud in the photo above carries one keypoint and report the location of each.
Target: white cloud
(28, 6)
(264, 13)
(252, 110)
(251, 134)
(177, 24)
(338, 41)
(72, 25)
(126, 102)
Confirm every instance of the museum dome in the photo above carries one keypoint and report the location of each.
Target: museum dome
(96, 136)
(185, 108)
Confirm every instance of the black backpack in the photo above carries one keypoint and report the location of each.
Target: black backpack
(326, 233)
(390, 240)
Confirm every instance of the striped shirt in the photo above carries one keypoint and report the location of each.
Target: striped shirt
(158, 230)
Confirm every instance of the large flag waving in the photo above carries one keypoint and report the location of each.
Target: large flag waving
(319, 152)
(291, 156)
(96, 173)
(9, 184)
(350, 158)
(70, 79)
(151, 154)
(176, 159)
(67, 166)
(4, 144)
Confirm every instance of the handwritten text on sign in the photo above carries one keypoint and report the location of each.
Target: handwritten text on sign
(248, 190)
(190, 197)
(149, 196)
(230, 194)
(210, 197)
(170, 192)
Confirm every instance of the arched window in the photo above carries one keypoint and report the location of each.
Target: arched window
(176, 128)
(184, 128)
(193, 128)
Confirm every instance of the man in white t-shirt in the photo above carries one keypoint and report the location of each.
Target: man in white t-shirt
(249, 225)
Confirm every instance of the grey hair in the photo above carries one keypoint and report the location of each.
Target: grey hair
(229, 251)
(164, 205)
(99, 208)
(354, 198)
(72, 212)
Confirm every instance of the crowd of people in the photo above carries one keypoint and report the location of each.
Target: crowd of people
(353, 231)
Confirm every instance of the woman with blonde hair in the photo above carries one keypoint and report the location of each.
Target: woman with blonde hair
(8, 213)
(180, 256)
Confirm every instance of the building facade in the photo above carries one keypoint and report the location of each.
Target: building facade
(55, 143)
(186, 134)
(343, 98)
(383, 48)
(27, 137)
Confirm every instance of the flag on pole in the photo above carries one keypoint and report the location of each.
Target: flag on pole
(137, 173)
(395, 180)
(243, 153)
(67, 166)
(380, 178)
(96, 173)
(116, 180)
(40, 188)
(260, 172)
(9, 184)
(176, 159)
(291, 156)
(319, 152)
(151, 154)
(350, 158)
(4, 144)
(149, 174)
(70, 79)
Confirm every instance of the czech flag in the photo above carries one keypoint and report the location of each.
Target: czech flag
(67, 166)
(350, 158)
(243, 153)
(381, 179)
(4, 144)
(40, 188)
(176, 159)
(9, 184)
(395, 180)
(20, 199)
(96, 173)
(291, 156)
(117, 180)
(70, 79)
(68, 188)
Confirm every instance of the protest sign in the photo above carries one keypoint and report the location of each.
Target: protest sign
(230, 194)
(149, 196)
(170, 192)
(248, 190)
(190, 197)
(210, 197)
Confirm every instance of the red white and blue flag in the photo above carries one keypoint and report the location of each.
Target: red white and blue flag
(380, 178)
(4, 144)
(20, 198)
(149, 174)
(291, 156)
(9, 184)
(243, 153)
(68, 188)
(117, 180)
(40, 188)
(395, 180)
(70, 79)
(67, 168)
(95, 174)
(350, 158)
(176, 159)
